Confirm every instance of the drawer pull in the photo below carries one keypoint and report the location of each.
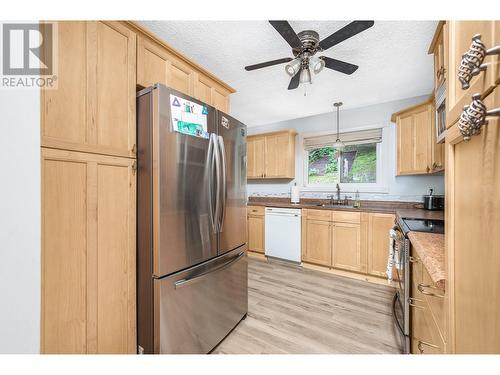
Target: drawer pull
(421, 343)
(421, 289)
(473, 117)
(410, 301)
(472, 61)
(414, 260)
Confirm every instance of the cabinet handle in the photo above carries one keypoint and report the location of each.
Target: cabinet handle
(421, 289)
(134, 149)
(473, 117)
(472, 61)
(134, 167)
(421, 349)
(410, 300)
(414, 260)
(428, 169)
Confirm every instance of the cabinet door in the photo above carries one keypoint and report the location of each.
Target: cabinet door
(460, 35)
(472, 236)
(220, 100)
(64, 116)
(256, 233)
(379, 226)
(88, 253)
(318, 242)
(346, 246)
(180, 76)
(414, 130)
(405, 151)
(203, 89)
(423, 123)
(112, 95)
(255, 157)
(152, 63)
(65, 215)
(277, 154)
(114, 277)
(93, 109)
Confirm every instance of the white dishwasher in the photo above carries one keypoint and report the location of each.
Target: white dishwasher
(283, 229)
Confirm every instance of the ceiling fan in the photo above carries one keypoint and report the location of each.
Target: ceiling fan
(305, 45)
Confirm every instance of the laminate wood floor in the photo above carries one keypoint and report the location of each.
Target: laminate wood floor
(300, 311)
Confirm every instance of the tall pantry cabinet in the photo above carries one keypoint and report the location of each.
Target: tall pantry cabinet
(88, 192)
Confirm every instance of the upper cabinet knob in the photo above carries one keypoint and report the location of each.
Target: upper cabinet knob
(473, 117)
(472, 61)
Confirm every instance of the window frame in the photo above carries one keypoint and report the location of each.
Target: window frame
(377, 187)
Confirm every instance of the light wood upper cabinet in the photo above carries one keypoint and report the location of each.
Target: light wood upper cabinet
(256, 157)
(256, 229)
(158, 64)
(379, 226)
(88, 253)
(346, 245)
(416, 148)
(271, 155)
(459, 37)
(93, 108)
(437, 49)
(152, 63)
(472, 212)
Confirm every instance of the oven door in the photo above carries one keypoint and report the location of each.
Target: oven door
(400, 306)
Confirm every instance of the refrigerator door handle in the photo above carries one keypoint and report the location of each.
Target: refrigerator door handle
(185, 282)
(218, 205)
(224, 182)
(210, 166)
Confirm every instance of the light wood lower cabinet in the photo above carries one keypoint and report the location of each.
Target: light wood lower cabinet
(93, 107)
(346, 245)
(317, 244)
(379, 225)
(256, 229)
(426, 335)
(88, 253)
(350, 241)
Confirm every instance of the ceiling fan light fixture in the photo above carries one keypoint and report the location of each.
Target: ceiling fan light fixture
(316, 64)
(305, 76)
(293, 67)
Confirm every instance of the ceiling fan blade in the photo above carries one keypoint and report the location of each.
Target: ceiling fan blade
(268, 63)
(286, 31)
(339, 66)
(294, 82)
(344, 33)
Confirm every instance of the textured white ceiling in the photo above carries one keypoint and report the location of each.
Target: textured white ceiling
(392, 58)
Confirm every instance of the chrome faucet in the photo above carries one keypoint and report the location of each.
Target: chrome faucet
(338, 193)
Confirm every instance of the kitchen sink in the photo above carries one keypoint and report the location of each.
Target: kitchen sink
(334, 205)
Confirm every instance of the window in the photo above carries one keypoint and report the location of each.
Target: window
(357, 163)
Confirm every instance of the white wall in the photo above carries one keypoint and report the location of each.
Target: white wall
(403, 188)
(20, 221)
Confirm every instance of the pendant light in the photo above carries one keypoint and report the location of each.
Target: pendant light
(338, 145)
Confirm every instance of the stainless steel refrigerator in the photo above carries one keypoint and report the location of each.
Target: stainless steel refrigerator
(191, 223)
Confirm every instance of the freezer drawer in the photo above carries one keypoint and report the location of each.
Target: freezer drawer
(200, 306)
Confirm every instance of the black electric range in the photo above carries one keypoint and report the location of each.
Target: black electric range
(421, 225)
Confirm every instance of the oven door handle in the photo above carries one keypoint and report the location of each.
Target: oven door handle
(394, 301)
